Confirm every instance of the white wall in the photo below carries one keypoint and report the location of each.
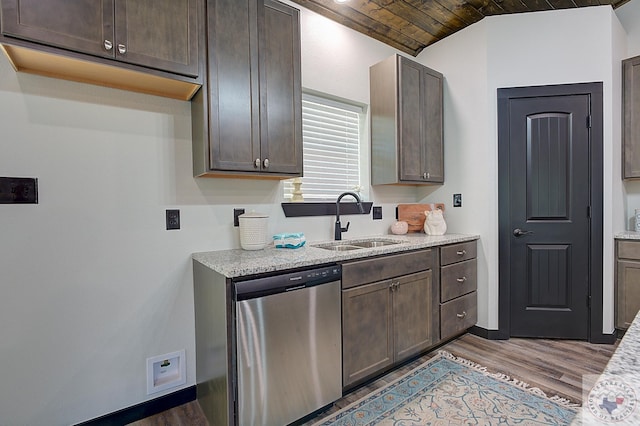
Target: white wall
(91, 282)
(567, 46)
(629, 16)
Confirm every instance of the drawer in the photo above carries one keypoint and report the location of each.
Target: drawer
(458, 315)
(629, 250)
(381, 268)
(458, 279)
(457, 252)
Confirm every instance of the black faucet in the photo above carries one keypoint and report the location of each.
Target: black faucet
(339, 229)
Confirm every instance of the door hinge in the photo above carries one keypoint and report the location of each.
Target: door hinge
(589, 302)
(589, 121)
(589, 212)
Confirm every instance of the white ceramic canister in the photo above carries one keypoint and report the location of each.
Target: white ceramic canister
(253, 230)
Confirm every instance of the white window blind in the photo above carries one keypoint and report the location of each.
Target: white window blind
(331, 148)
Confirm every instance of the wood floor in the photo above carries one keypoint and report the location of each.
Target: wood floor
(555, 366)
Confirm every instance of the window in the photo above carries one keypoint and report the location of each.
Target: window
(331, 148)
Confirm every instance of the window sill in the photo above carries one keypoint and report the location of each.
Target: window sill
(323, 208)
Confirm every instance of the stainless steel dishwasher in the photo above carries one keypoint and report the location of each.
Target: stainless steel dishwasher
(289, 345)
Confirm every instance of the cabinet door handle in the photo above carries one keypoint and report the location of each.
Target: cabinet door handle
(108, 45)
(122, 49)
(394, 286)
(256, 163)
(266, 163)
(461, 280)
(462, 315)
(461, 252)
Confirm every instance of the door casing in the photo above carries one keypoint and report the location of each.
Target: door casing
(594, 90)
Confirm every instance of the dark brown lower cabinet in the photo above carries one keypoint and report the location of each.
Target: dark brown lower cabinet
(458, 285)
(627, 284)
(413, 318)
(400, 305)
(388, 321)
(367, 340)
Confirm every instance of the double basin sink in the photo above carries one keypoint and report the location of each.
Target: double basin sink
(356, 245)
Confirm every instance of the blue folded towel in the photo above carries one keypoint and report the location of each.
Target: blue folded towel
(292, 240)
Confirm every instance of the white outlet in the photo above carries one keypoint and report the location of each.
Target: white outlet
(166, 371)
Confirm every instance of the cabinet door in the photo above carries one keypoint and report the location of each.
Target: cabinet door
(631, 117)
(367, 340)
(234, 127)
(627, 292)
(280, 90)
(410, 108)
(161, 34)
(432, 125)
(83, 26)
(420, 121)
(414, 323)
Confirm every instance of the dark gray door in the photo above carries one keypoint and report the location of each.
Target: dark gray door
(549, 216)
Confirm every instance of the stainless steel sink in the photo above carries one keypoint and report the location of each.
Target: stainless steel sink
(338, 247)
(356, 245)
(375, 243)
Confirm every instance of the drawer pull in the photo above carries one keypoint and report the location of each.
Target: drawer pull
(461, 280)
(461, 252)
(462, 315)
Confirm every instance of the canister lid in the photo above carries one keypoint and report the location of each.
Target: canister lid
(253, 214)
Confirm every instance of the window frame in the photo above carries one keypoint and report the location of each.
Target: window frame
(363, 147)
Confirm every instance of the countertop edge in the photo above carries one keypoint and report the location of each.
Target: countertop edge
(627, 235)
(236, 263)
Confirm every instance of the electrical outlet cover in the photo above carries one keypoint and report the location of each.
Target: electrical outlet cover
(173, 219)
(16, 190)
(377, 212)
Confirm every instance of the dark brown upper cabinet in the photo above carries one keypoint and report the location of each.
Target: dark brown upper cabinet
(247, 120)
(631, 118)
(406, 123)
(159, 37)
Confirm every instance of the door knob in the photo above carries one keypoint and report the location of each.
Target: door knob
(519, 232)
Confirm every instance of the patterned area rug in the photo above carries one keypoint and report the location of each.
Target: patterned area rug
(447, 390)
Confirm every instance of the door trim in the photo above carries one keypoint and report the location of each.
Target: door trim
(594, 90)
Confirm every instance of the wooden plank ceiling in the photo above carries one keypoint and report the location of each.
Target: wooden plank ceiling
(412, 25)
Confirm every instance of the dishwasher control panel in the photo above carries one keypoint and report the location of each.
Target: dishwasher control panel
(290, 281)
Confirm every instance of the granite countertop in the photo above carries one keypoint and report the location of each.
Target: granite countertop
(627, 235)
(237, 262)
(626, 359)
(615, 394)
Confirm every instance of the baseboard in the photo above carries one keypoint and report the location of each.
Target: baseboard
(145, 409)
(487, 334)
(606, 339)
